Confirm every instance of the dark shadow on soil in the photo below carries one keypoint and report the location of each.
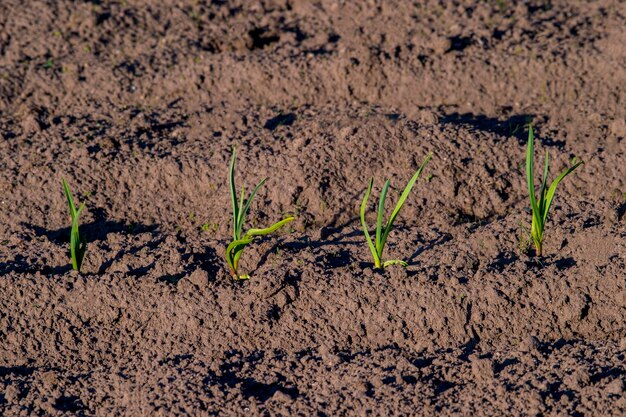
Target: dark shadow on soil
(442, 386)
(20, 265)
(536, 263)
(501, 365)
(469, 347)
(132, 251)
(502, 261)
(208, 261)
(338, 240)
(565, 263)
(514, 126)
(621, 210)
(16, 370)
(336, 259)
(426, 245)
(250, 387)
(607, 372)
(459, 43)
(281, 120)
(278, 245)
(70, 404)
(97, 230)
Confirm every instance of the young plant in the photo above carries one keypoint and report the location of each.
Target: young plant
(240, 209)
(378, 245)
(540, 205)
(77, 246)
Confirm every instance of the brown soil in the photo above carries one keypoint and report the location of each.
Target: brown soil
(138, 104)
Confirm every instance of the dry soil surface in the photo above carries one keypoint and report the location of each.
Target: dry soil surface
(138, 104)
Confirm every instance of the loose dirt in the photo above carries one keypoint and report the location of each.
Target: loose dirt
(138, 104)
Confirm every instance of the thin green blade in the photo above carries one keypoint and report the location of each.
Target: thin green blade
(70, 201)
(530, 173)
(544, 182)
(402, 199)
(240, 213)
(268, 230)
(379, 219)
(395, 262)
(77, 248)
(233, 194)
(245, 208)
(364, 224)
(552, 189)
(233, 251)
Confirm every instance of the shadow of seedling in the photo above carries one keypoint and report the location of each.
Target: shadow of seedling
(426, 245)
(621, 210)
(21, 265)
(208, 261)
(96, 230)
(537, 263)
(338, 239)
(336, 259)
(512, 126)
(132, 251)
(502, 261)
(565, 263)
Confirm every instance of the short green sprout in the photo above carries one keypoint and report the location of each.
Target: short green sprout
(240, 209)
(77, 246)
(541, 208)
(377, 246)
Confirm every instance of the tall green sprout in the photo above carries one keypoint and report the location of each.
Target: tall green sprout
(378, 245)
(240, 209)
(78, 247)
(541, 207)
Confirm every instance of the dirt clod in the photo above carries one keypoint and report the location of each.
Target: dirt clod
(138, 105)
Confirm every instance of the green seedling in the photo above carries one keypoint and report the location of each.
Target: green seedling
(78, 247)
(382, 233)
(240, 209)
(541, 207)
(210, 227)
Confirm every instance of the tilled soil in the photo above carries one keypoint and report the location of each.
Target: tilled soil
(138, 105)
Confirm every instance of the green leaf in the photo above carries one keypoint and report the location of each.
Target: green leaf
(377, 247)
(544, 182)
(240, 209)
(552, 189)
(236, 247)
(530, 173)
(364, 224)
(537, 226)
(403, 198)
(271, 229)
(395, 262)
(245, 208)
(379, 220)
(232, 251)
(233, 194)
(240, 214)
(70, 201)
(541, 209)
(77, 247)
